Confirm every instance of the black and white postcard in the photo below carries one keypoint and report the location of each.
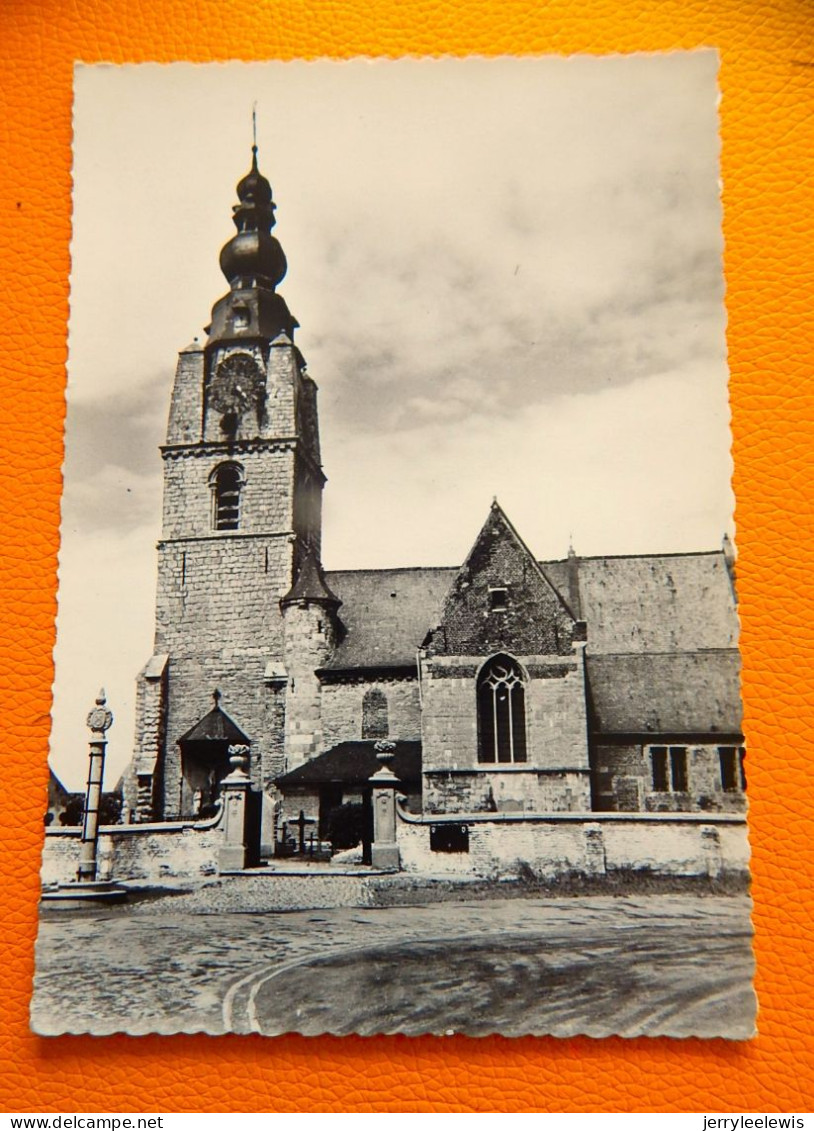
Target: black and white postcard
(397, 666)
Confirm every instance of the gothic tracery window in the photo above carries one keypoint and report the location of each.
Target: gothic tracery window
(501, 712)
(227, 483)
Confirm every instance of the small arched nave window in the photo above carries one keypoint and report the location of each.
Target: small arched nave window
(375, 723)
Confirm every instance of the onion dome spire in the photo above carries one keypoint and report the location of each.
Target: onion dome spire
(254, 264)
(254, 187)
(253, 253)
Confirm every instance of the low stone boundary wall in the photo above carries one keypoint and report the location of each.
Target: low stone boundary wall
(500, 845)
(147, 853)
(678, 847)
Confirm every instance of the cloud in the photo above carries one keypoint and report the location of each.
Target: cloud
(565, 469)
(499, 220)
(112, 465)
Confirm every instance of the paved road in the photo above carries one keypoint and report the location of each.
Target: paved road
(676, 965)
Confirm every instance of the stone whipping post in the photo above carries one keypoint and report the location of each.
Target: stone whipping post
(234, 790)
(99, 721)
(93, 884)
(384, 852)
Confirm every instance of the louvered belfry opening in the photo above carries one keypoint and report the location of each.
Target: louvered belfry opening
(228, 483)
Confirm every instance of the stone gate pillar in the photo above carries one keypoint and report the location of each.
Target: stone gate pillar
(234, 790)
(384, 852)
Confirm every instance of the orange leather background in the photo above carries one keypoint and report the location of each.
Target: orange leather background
(767, 78)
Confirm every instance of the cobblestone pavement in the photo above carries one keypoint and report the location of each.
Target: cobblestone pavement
(674, 964)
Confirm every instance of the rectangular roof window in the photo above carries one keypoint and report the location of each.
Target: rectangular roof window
(498, 598)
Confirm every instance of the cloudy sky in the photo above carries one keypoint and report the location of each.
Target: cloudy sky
(508, 278)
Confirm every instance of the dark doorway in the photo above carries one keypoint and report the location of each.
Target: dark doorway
(205, 759)
(346, 819)
(204, 765)
(340, 777)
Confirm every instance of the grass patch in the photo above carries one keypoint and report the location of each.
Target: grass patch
(405, 890)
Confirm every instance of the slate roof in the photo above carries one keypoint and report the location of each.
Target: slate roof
(655, 603)
(352, 763)
(57, 793)
(386, 613)
(662, 634)
(680, 693)
(310, 585)
(215, 726)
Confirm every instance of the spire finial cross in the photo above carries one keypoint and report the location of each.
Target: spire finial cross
(217, 697)
(254, 132)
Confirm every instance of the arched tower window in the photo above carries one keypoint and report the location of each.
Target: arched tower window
(375, 723)
(227, 483)
(501, 712)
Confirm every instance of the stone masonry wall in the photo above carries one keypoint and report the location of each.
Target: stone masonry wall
(308, 642)
(556, 736)
(623, 779)
(246, 697)
(218, 618)
(147, 853)
(506, 790)
(342, 709)
(184, 426)
(615, 764)
(272, 752)
(677, 847)
(496, 850)
(277, 413)
(221, 592)
(143, 781)
(60, 856)
(266, 498)
(590, 844)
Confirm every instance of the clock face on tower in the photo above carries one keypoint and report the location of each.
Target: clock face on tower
(237, 384)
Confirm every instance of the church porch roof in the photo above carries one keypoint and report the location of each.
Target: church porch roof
(216, 726)
(353, 763)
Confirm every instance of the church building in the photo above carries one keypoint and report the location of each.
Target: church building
(503, 685)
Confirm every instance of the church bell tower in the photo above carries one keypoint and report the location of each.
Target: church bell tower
(242, 516)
